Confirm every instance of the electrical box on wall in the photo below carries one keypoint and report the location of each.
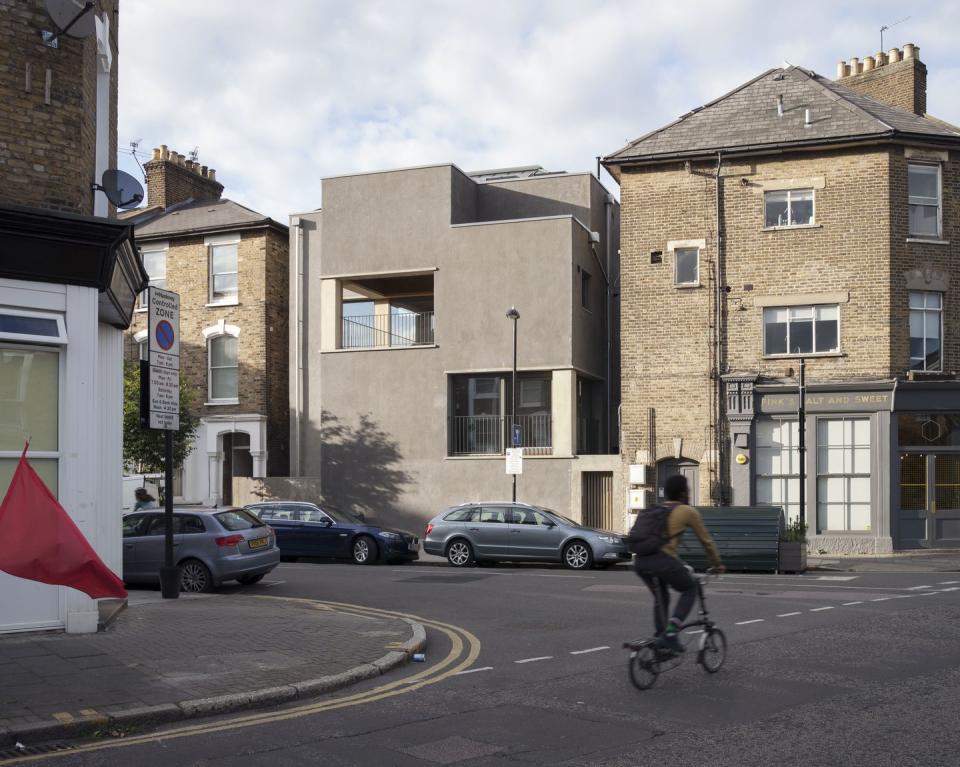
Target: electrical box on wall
(638, 474)
(636, 499)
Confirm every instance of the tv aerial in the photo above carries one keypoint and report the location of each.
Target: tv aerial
(122, 189)
(885, 27)
(75, 18)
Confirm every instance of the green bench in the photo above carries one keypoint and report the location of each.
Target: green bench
(748, 537)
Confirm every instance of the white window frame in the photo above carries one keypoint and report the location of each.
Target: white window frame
(791, 309)
(790, 193)
(211, 243)
(58, 340)
(676, 264)
(910, 202)
(163, 248)
(923, 312)
(846, 475)
(212, 333)
(782, 478)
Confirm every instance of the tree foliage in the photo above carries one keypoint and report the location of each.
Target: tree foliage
(143, 447)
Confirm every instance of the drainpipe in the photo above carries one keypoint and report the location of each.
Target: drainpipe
(608, 206)
(718, 336)
(297, 293)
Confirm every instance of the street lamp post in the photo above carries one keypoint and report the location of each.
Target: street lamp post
(514, 315)
(802, 446)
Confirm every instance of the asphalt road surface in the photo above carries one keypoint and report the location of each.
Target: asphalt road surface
(525, 666)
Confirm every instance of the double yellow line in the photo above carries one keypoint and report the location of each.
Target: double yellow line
(464, 649)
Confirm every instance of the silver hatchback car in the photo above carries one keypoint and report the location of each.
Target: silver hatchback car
(505, 531)
(209, 545)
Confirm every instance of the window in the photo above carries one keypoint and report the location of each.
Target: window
(923, 188)
(359, 324)
(926, 331)
(585, 288)
(801, 330)
(791, 207)
(493, 514)
(190, 525)
(480, 422)
(38, 327)
(223, 273)
(132, 524)
(686, 269)
(778, 465)
(223, 373)
(843, 474)
(461, 515)
(155, 262)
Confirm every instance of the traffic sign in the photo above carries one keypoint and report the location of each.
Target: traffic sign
(515, 460)
(517, 435)
(163, 321)
(160, 377)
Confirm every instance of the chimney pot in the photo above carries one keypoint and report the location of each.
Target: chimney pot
(910, 51)
(854, 66)
(868, 62)
(881, 58)
(164, 154)
(181, 160)
(212, 175)
(156, 154)
(203, 171)
(894, 55)
(841, 69)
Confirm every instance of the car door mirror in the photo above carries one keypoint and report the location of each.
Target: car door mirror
(326, 522)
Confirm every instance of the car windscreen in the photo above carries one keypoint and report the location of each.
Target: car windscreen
(238, 519)
(559, 516)
(344, 517)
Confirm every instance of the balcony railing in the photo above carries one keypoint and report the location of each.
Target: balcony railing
(490, 434)
(382, 330)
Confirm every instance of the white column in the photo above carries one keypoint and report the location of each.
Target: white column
(259, 462)
(331, 312)
(213, 478)
(564, 411)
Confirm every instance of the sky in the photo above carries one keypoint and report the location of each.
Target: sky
(279, 95)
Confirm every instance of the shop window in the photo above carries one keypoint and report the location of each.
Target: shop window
(843, 474)
(778, 465)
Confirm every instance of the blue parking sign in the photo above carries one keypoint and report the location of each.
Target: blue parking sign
(517, 435)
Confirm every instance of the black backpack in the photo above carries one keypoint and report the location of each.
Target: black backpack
(649, 532)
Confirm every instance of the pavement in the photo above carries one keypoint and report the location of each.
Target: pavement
(933, 561)
(162, 660)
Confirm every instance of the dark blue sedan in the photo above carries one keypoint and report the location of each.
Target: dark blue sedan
(307, 530)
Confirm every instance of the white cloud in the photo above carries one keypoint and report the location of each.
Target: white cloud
(278, 95)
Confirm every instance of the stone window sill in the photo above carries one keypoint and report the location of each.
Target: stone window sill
(687, 285)
(791, 228)
(926, 241)
(501, 457)
(813, 355)
(379, 348)
(222, 303)
(214, 403)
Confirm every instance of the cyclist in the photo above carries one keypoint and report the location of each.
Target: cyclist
(664, 569)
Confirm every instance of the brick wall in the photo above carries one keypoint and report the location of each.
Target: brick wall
(48, 141)
(261, 316)
(172, 178)
(902, 84)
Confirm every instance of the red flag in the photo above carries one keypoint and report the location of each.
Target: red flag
(39, 541)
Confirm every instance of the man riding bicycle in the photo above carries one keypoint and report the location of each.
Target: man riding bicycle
(657, 563)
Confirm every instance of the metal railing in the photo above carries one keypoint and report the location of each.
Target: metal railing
(490, 434)
(383, 330)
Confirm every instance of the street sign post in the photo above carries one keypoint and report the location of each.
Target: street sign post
(160, 378)
(515, 460)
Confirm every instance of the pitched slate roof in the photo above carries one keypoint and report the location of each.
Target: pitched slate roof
(194, 217)
(746, 119)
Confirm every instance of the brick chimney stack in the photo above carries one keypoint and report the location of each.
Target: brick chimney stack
(171, 178)
(897, 78)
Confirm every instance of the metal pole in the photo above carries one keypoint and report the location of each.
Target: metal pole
(801, 415)
(169, 573)
(513, 406)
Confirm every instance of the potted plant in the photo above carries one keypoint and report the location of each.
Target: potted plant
(793, 547)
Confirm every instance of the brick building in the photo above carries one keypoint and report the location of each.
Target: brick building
(229, 265)
(800, 217)
(68, 283)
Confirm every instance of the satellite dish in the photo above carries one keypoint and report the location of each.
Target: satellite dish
(122, 189)
(75, 18)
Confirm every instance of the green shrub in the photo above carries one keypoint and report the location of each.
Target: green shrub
(796, 531)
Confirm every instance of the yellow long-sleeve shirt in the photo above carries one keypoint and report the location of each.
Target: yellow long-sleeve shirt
(679, 520)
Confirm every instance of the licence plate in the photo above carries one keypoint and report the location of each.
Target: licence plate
(258, 543)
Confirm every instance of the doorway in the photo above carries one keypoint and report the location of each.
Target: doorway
(684, 466)
(929, 500)
(237, 462)
(596, 500)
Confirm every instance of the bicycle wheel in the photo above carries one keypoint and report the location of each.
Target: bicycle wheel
(644, 667)
(713, 651)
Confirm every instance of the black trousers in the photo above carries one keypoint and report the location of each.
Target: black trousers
(661, 572)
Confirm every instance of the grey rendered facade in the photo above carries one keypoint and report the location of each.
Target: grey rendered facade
(401, 350)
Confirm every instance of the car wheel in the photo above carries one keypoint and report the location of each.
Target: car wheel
(460, 553)
(365, 550)
(195, 577)
(249, 580)
(577, 556)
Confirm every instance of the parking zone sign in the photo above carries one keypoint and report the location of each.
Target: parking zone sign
(163, 378)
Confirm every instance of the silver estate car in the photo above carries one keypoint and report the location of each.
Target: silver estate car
(209, 545)
(501, 530)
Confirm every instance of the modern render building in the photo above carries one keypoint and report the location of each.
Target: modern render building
(800, 217)
(401, 351)
(229, 265)
(68, 281)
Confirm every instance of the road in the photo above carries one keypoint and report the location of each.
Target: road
(823, 669)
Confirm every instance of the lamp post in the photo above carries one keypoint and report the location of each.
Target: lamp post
(514, 315)
(802, 446)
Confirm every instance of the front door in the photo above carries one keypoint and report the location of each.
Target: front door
(687, 468)
(929, 500)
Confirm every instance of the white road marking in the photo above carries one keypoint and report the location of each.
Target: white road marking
(926, 594)
(947, 583)
(917, 588)
(534, 660)
(549, 575)
(952, 588)
(880, 599)
(837, 577)
(744, 623)
(787, 615)
(847, 604)
(272, 583)
(474, 670)
(592, 649)
(819, 609)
